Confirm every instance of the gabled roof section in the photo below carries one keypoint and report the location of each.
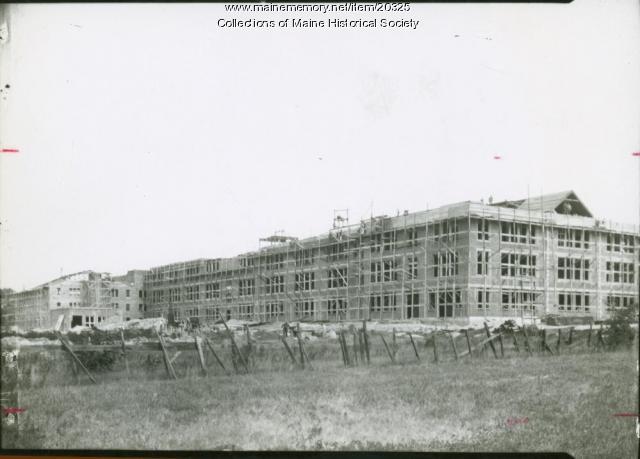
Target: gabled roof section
(565, 202)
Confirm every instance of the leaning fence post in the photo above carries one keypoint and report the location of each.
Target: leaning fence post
(453, 344)
(570, 336)
(167, 361)
(203, 366)
(303, 352)
(346, 348)
(493, 348)
(206, 340)
(501, 345)
(515, 341)
(366, 340)
(249, 346)
(74, 356)
(393, 360)
(415, 349)
(559, 339)
(234, 345)
(234, 358)
(355, 348)
(300, 346)
(395, 344)
(466, 334)
(361, 346)
(124, 352)
(289, 351)
(344, 358)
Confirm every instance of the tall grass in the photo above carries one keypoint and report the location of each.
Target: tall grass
(569, 402)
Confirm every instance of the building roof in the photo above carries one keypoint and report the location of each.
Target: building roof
(565, 202)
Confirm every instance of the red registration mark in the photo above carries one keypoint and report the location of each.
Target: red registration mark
(12, 410)
(515, 421)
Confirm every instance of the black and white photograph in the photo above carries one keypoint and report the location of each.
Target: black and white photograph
(305, 226)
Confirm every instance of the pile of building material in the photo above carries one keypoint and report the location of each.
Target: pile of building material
(568, 320)
(159, 323)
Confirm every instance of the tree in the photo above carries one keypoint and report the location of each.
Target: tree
(619, 331)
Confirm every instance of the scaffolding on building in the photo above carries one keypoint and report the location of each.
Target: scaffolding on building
(413, 266)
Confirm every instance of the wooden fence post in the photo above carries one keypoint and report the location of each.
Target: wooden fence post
(203, 365)
(355, 348)
(545, 345)
(493, 348)
(589, 335)
(393, 360)
(435, 346)
(344, 358)
(304, 352)
(289, 351)
(249, 345)
(501, 345)
(570, 336)
(466, 334)
(453, 344)
(601, 338)
(559, 340)
(307, 357)
(415, 349)
(234, 345)
(526, 340)
(361, 346)
(346, 348)
(366, 341)
(234, 358)
(300, 346)
(515, 341)
(210, 346)
(395, 344)
(74, 356)
(124, 352)
(167, 362)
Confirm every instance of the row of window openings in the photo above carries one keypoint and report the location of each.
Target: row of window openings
(616, 301)
(445, 264)
(521, 233)
(304, 308)
(568, 268)
(566, 301)
(337, 277)
(113, 305)
(114, 293)
(567, 237)
(89, 320)
(509, 232)
(388, 302)
(511, 264)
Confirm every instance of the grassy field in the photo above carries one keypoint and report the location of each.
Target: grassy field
(540, 403)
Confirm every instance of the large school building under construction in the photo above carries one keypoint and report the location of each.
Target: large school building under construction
(530, 257)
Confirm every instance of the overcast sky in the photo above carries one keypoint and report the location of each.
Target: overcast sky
(149, 135)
